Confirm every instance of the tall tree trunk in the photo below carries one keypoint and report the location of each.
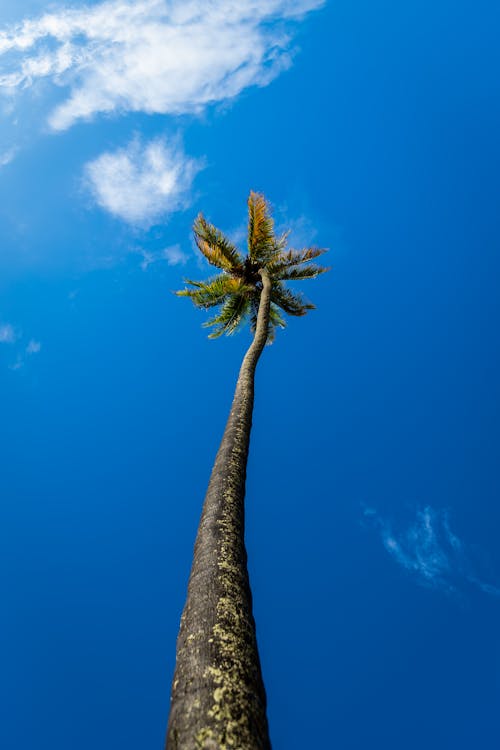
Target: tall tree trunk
(218, 699)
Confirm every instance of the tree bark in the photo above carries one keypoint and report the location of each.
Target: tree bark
(218, 699)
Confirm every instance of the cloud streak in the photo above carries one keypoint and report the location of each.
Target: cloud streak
(430, 551)
(152, 56)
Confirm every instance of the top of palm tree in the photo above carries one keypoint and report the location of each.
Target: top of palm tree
(236, 290)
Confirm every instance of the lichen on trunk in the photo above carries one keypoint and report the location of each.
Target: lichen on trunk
(218, 700)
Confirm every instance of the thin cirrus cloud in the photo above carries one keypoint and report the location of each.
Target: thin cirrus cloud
(152, 56)
(173, 255)
(143, 181)
(33, 347)
(430, 552)
(11, 336)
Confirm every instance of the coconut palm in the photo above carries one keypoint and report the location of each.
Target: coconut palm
(218, 699)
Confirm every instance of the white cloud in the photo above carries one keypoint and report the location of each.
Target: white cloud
(430, 551)
(7, 156)
(33, 347)
(175, 256)
(153, 56)
(142, 182)
(8, 334)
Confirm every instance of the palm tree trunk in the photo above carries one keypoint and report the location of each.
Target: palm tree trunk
(218, 700)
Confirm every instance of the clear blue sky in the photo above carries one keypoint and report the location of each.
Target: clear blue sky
(373, 487)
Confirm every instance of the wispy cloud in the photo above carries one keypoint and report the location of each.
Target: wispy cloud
(18, 349)
(33, 347)
(7, 156)
(153, 56)
(142, 182)
(430, 551)
(8, 333)
(302, 231)
(172, 256)
(175, 256)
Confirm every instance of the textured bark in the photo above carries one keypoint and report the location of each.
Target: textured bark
(218, 700)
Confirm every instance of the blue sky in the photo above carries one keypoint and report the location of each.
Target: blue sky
(373, 485)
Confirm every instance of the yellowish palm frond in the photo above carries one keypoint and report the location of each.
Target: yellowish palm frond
(262, 245)
(215, 246)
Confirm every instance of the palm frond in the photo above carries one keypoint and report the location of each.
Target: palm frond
(311, 271)
(215, 246)
(230, 316)
(292, 303)
(292, 258)
(275, 319)
(282, 241)
(262, 244)
(206, 294)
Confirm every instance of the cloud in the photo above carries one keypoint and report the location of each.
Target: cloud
(7, 156)
(153, 56)
(430, 551)
(173, 256)
(33, 347)
(8, 334)
(142, 182)
(302, 232)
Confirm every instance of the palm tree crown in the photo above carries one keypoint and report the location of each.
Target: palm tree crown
(236, 290)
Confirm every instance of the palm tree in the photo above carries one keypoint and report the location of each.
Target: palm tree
(218, 700)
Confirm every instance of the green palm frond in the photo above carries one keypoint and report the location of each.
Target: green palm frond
(281, 242)
(295, 274)
(275, 320)
(216, 290)
(236, 291)
(285, 265)
(230, 316)
(290, 302)
(275, 317)
(216, 248)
